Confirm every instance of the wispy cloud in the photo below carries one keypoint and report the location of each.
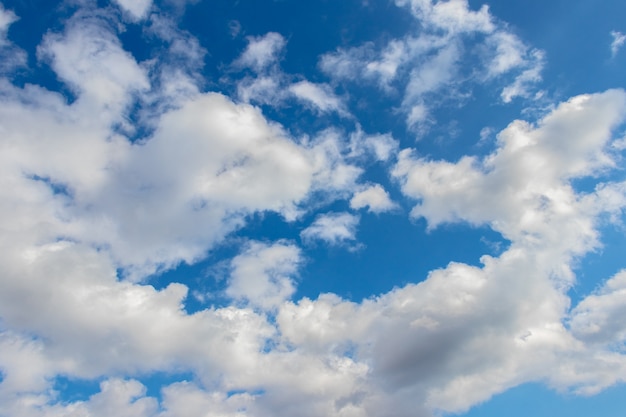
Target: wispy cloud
(618, 41)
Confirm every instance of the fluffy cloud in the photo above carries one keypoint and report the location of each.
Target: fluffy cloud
(271, 86)
(597, 318)
(208, 158)
(332, 228)
(527, 176)
(87, 214)
(262, 51)
(435, 63)
(320, 97)
(263, 274)
(382, 147)
(466, 332)
(374, 197)
(136, 8)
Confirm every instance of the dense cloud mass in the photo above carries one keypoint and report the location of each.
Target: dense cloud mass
(130, 168)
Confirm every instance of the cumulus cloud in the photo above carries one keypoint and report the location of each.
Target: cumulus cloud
(271, 86)
(434, 64)
(527, 175)
(320, 96)
(466, 332)
(89, 57)
(379, 147)
(263, 274)
(137, 9)
(332, 228)
(374, 197)
(115, 189)
(87, 214)
(598, 317)
(262, 51)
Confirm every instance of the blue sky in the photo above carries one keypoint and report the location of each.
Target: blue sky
(345, 209)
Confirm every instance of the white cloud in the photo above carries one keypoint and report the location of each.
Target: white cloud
(523, 83)
(347, 63)
(263, 274)
(262, 90)
(432, 64)
(432, 74)
(452, 16)
(386, 68)
(617, 43)
(509, 53)
(598, 318)
(186, 399)
(525, 175)
(320, 96)
(80, 201)
(7, 17)
(11, 57)
(262, 51)
(332, 228)
(374, 197)
(89, 57)
(382, 147)
(138, 9)
(417, 115)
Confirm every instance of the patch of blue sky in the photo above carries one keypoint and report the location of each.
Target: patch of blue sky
(537, 400)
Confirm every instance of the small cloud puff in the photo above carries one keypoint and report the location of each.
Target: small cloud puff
(262, 51)
(262, 273)
(333, 228)
(374, 197)
(137, 9)
(320, 96)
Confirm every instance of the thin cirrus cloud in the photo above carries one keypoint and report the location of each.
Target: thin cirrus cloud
(618, 41)
(127, 168)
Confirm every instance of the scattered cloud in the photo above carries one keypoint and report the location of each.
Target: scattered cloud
(434, 63)
(320, 96)
(598, 317)
(262, 51)
(137, 9)
(7, 17)
(617, 43)
(527, 175)
(382, 147)
(90, 210)
(234, 27)
(332, 228)
(374, 197)
(11, 57)
(263, 274)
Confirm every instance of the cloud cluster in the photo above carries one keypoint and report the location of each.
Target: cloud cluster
(271, 86)
(89, 210)
(439, 61)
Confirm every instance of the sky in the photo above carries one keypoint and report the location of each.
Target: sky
(356, 208)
